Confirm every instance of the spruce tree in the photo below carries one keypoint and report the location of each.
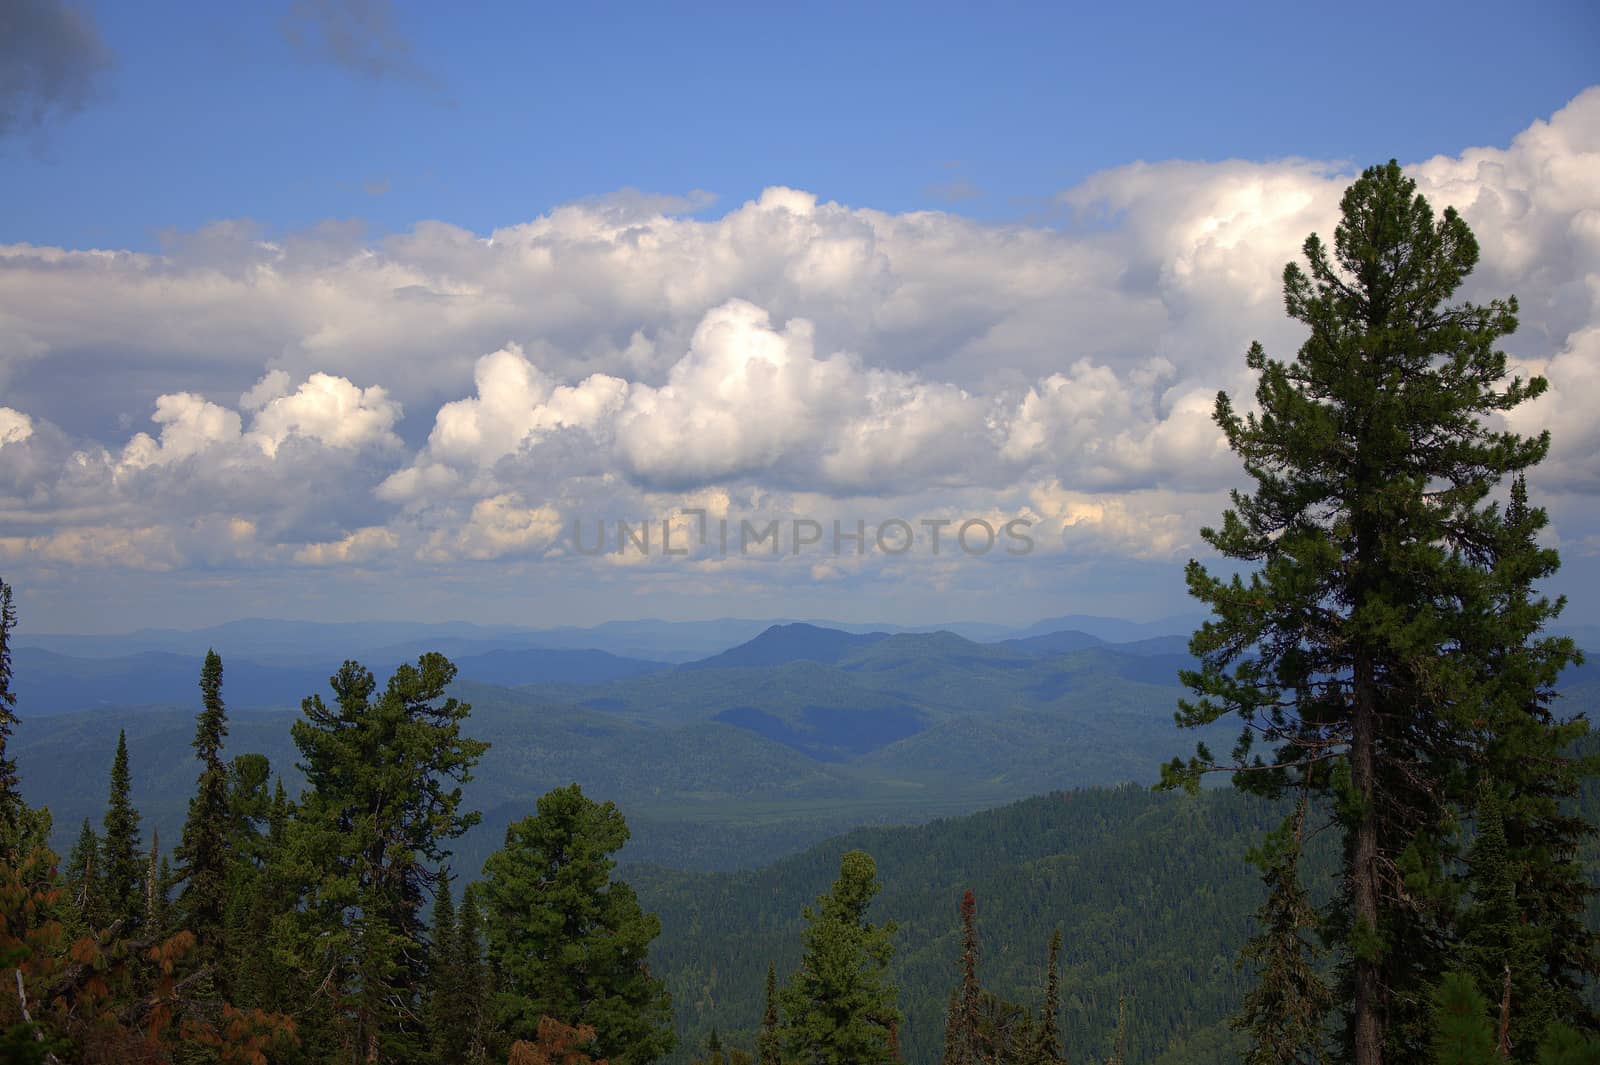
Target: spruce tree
(1528, 769)
(1048, 1049)
(1500, 950)
(963, 1045)
(840, 1006)
(121, 862)
(473, 978)
(10, 795)
(444, 1001)
(768, 1042)
(83, 882)
(568, 941)
(155, 890)
(204, 853)
(1285, 1013)
(1357, 647)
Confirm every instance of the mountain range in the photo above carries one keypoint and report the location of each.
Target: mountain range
(740, 756)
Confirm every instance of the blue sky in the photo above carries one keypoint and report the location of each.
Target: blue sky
(348, 308)
(481, 114)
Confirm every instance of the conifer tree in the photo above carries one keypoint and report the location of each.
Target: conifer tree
(1119, 1041)
(768, 1042)
(1462, 1031)
(384, 774)
(203, 852)
(1048, 1051)
(121, 862)
(258, 892)
(445, 1003)
(1529, 770)
(1501, 951)
(839, 1007)
(83, 881)
(954, 1034)
(1357, 648)
(155, 890)
(1285, 1012)
(565, 939)
(473, 978)
(963, 1044)
(1565, 1045)
(10, 796)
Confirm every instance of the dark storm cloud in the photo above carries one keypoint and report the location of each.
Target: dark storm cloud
(51, 56)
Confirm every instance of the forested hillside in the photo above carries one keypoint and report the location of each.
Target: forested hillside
(719, 763)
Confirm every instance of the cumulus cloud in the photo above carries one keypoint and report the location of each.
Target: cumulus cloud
(329, 410)
(15, 426)
(499, 526)
(363, 545)
(623, 356)
(51, 56)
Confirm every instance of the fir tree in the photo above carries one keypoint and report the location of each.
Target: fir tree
(472, 978)
(839, 1007)
(1500, 950)
(121, 863)
(83, 881)
(565, 939)
(768, 1042)
(1528, 769)
(1048, 1049)
(204, 852)
(10, 797)
(1357, 648)
(445, 1004)
(962, 1042)
(1285, 1012)
(155, 890)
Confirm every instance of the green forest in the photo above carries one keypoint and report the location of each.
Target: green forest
(1404, 869)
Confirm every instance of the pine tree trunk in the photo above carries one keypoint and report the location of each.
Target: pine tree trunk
(1368, 1033)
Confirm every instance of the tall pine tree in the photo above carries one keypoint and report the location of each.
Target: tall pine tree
(1356, 648)
(204, 853)
(384, 774)
(122, 860)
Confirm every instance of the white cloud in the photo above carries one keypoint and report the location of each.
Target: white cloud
(15, 426)
(498, 527)
(363, 545)
(327, 409)
(790, 356)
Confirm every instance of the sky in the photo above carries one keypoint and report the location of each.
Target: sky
(346, 309)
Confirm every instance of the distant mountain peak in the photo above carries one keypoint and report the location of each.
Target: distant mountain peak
(795, 641)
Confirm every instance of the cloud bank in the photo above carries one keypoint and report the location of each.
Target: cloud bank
(447, 399)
